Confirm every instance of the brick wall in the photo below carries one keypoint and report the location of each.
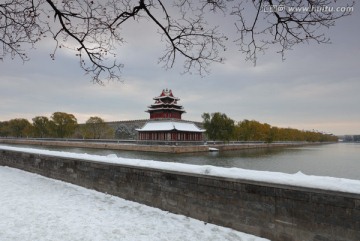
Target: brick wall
(277, 212)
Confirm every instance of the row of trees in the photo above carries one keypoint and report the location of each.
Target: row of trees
(220, 127)
(352, 138)
(59, 125)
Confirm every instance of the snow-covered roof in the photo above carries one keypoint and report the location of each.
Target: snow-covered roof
(169, 126)
(162, 108)
(157, 105)
(166, 96)
(174, 103)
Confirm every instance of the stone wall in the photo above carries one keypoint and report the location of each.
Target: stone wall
(165, 147)
(147, 146)
(277, 212)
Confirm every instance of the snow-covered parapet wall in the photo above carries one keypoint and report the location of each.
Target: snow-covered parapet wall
(276, 206)
(297, 180)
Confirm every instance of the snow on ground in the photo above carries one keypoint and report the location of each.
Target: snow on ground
(297, 179)
(33, 207)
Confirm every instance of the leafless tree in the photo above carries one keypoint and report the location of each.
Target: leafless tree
(286, 23)
(94, 28)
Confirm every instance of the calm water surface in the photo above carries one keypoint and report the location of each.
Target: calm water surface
(336, 160)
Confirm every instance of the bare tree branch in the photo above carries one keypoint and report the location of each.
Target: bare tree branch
(93, 28)
(285, 23)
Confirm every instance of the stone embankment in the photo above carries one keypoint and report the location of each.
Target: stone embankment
(167, 147)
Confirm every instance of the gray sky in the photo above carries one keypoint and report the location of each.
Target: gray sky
(316, 87)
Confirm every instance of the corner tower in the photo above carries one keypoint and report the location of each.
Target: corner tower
(165, 125)
(166, 106)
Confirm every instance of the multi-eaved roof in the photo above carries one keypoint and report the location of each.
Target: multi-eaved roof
(166, 106)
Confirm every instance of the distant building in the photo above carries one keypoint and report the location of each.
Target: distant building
(165, 122)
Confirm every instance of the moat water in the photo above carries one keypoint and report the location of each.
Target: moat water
(336, 160)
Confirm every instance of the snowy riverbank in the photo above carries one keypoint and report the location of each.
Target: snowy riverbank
(33, 207)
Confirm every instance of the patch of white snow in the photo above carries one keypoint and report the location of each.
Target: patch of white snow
(33, 207)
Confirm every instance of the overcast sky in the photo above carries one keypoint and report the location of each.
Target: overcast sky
(316, 87)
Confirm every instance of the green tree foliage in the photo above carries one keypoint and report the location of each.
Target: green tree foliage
(41, 126)
(62, 124)
(255, 131)
(96, 128)
(252, 131)
(18, 127)
(218, 126)
(4, 129)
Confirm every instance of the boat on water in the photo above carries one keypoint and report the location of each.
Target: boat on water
(212, 149)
